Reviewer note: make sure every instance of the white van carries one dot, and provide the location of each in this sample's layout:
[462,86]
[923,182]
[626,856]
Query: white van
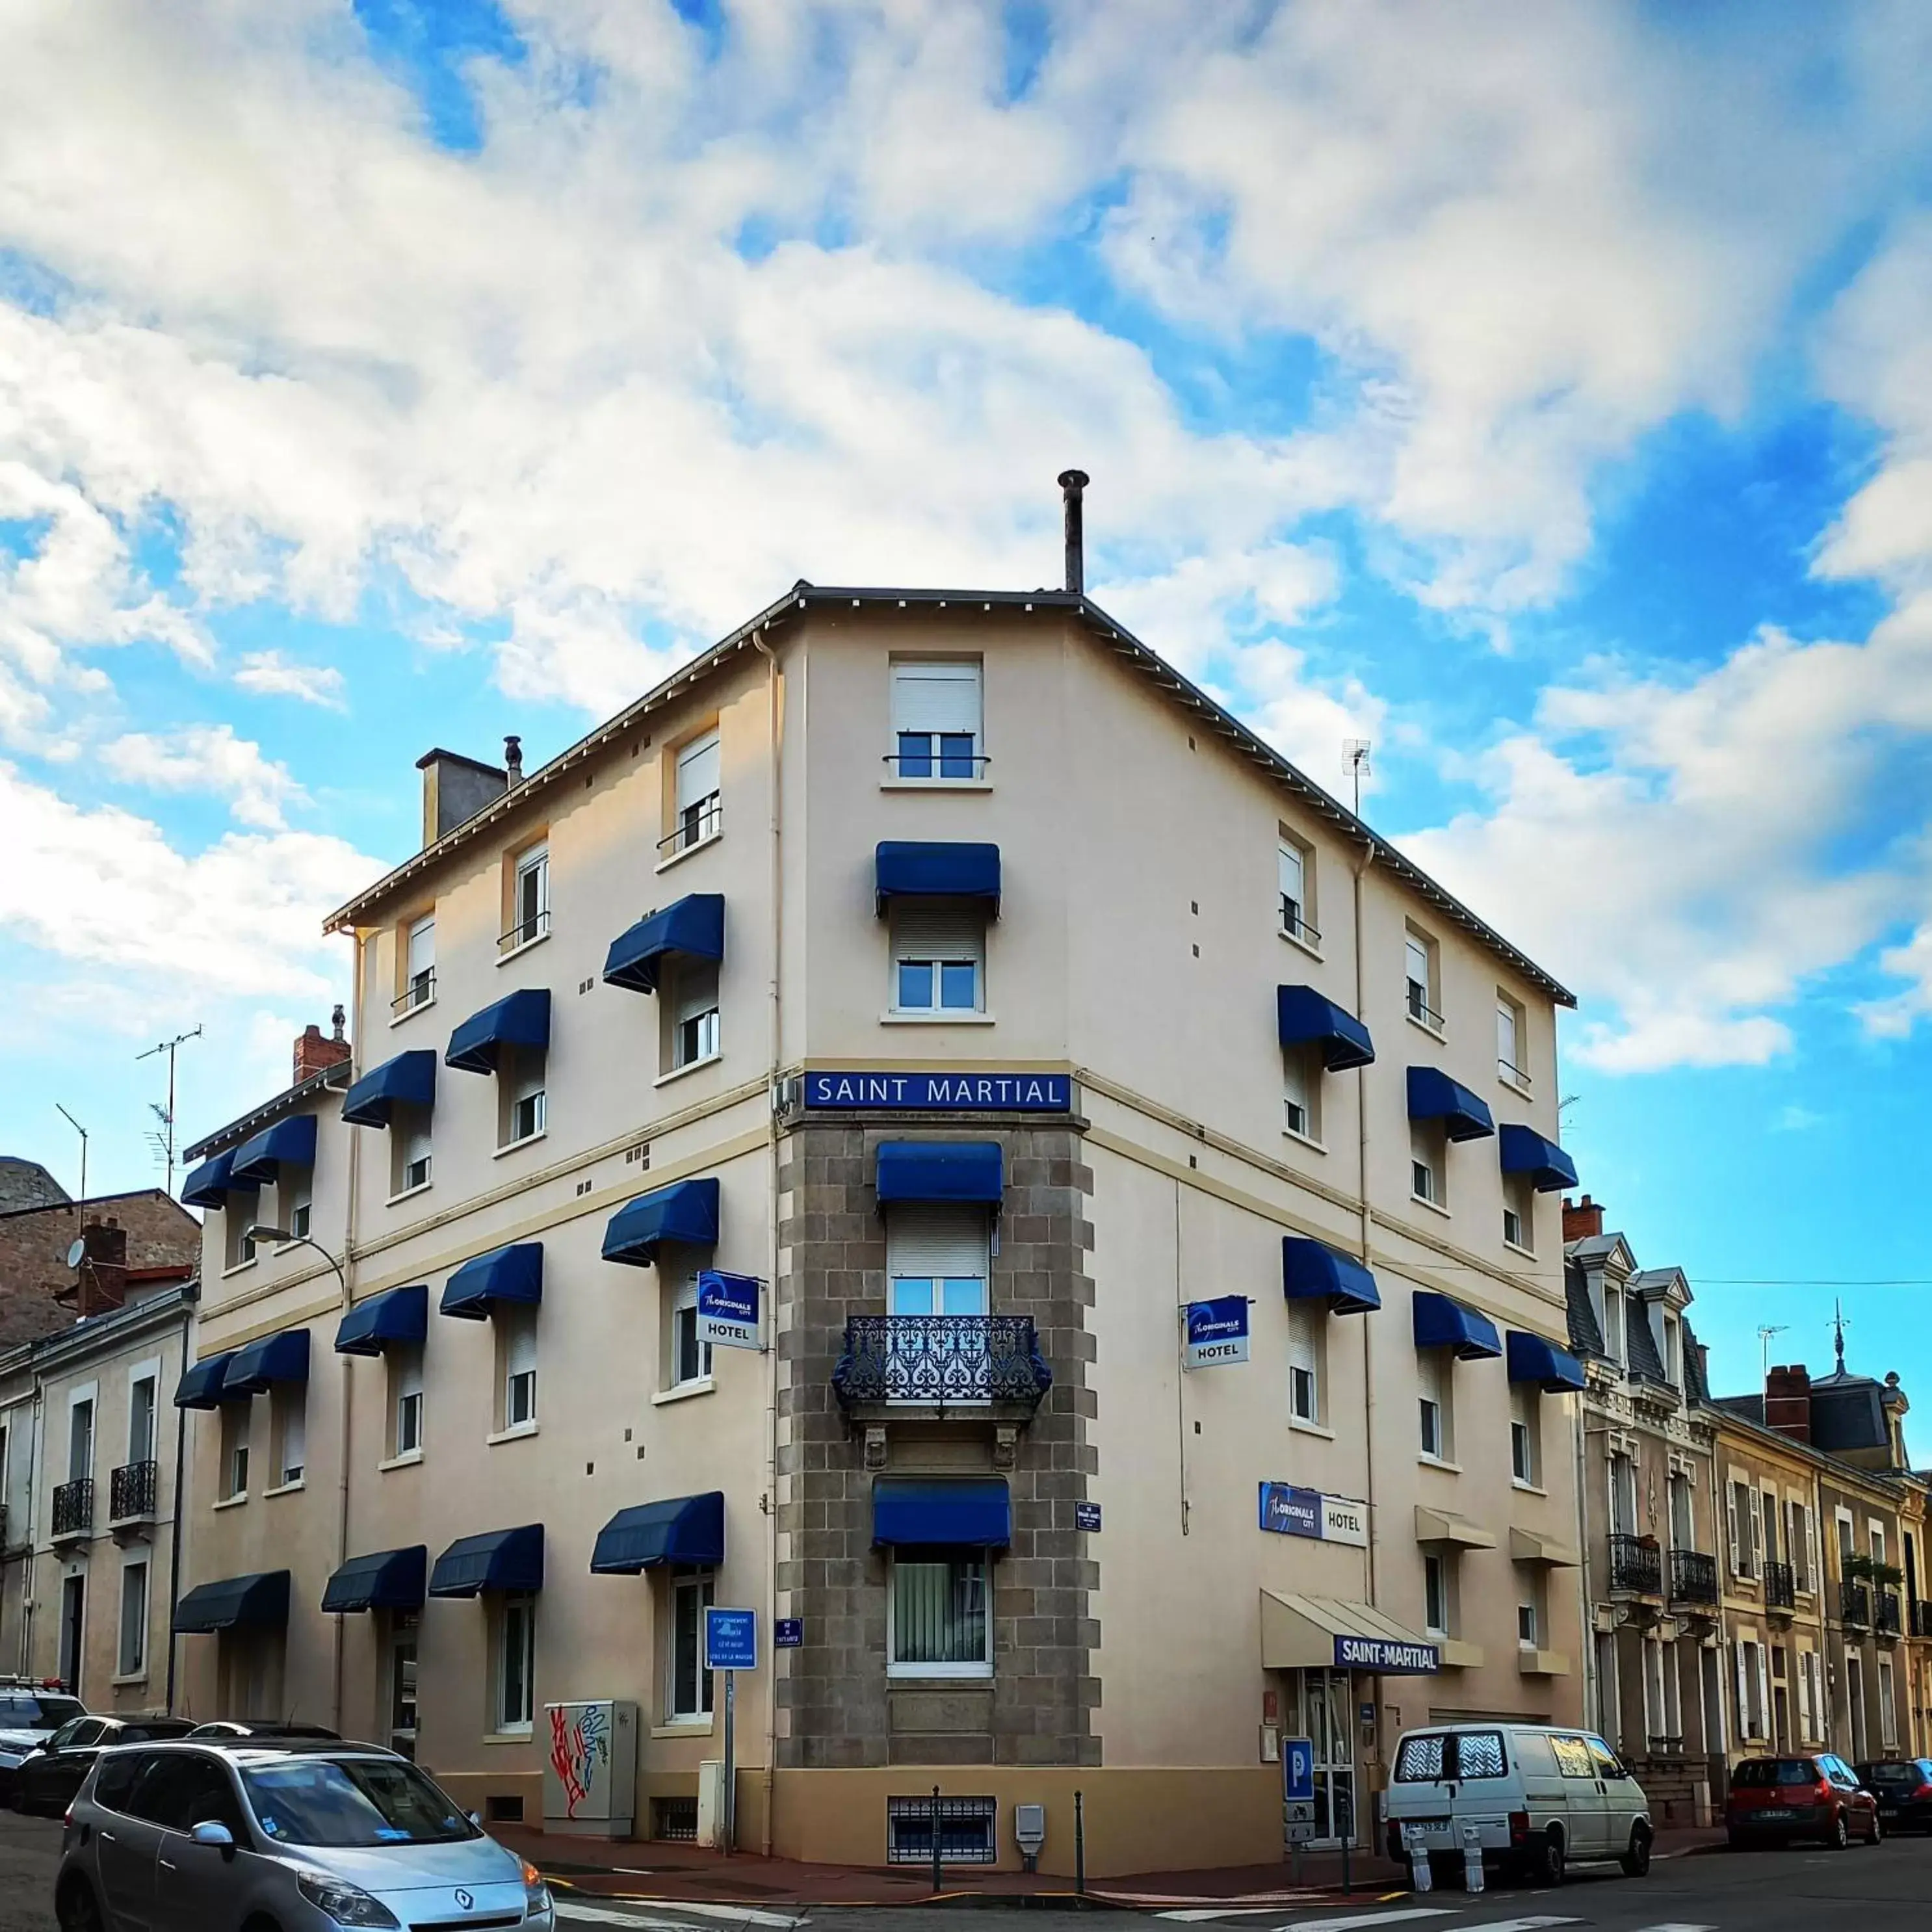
[1538,1797]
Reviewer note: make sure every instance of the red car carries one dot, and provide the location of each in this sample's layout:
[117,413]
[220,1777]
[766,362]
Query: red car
[1774,1800]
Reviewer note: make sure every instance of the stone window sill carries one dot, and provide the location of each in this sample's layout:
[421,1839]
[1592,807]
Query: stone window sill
[410,1013]
[517,952]
[515,1435]
[892,1017]
[287,1488]
[233,1502]
[684,1391]
[1306,1140]
[684,852]
[689,1067]
[410,1193]
[517,1146]
[1301,1428]
[684,1727]
[1434,1207]
[935,784]
[1295,939]
[906,1674]
[518,1734]
[408,1460]
[1440,1462]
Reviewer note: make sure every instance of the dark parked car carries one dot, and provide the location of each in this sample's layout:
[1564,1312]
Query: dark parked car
[1903,1786]
[1774,1800]
[30,1713]
[233,1728]
[47,1779]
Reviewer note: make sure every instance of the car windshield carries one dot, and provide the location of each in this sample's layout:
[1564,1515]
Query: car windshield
[1889,1774]
[318,1801]
[1760,1772]
[19,1712]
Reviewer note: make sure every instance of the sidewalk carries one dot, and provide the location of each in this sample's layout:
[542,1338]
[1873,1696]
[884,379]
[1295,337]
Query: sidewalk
[672,1873]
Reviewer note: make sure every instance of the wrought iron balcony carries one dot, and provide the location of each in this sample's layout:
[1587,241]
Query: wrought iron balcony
[1887,1612]
[73,1507]
[131,1493]
[941,1361]
[1693,1577]
[1921,1613]
[1854,1605]
[1636,1564]
[1780,1587]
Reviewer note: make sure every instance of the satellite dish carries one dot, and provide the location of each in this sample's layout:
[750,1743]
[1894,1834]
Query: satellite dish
[76,1254]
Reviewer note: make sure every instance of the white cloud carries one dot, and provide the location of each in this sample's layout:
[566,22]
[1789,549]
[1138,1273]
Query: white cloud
[206,757]
[269,674]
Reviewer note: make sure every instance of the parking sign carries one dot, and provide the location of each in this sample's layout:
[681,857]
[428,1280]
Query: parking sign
[1298,1770]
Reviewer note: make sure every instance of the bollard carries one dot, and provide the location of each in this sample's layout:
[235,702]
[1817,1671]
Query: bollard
[938,1882]
[1079,1848]
[1420,1877]
[1472,1857]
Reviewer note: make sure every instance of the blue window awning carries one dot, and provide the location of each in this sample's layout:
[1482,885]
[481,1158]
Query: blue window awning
[1441,1323]
[686,1212]
[906,871]
[385,1580]
[207,1185]
[201,1386]
[972,1512]
[289,1143]
[1313,1271]
[1523,1150]
[399,1316]
[499,1559]
[969,1171]
[1433,1095]
[1531,1359]
[514,1274]
[686,1529]
[407,1080]
[694,928]
[522,1020]
[259,1601]
[255,1370]
[1304,1018]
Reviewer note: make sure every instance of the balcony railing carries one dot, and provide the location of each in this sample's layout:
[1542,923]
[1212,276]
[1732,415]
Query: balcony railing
[1420,1011]
[130,1492]
[1514,1074]
[1854,1605]
[1295,926]
[942,1361]
[420,991]
[1921,1613]
[1888,1624]
[937,754]
[73,1507]
[697,822]
[1636,1563]
[1780,1587]
[1693,1577]
[527,930]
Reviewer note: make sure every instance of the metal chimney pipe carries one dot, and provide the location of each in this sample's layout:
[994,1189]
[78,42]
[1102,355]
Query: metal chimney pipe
[513,761]
[1071,482]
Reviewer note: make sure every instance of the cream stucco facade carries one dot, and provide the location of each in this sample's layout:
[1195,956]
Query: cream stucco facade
[1159,876]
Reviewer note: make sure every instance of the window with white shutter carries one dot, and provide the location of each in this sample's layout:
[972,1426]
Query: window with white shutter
[936,721]
[1736,1547]
[939,954]
[692,1010]
[696,812]
[1301,1093]
[938,1257]
[1804,1730]
[1306,1322]
[1294,868]
[418,967]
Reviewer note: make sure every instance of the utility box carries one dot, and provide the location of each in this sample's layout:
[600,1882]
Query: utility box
[711,1804]
[1030,1832]
[590,1768]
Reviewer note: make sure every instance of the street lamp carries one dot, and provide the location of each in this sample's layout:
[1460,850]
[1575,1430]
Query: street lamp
[261,1233]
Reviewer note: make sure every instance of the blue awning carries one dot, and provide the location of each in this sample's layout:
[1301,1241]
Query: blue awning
[407,1080]
[1433,1095]
[1523,1150]
[1531,1359]
[686,1529]
[289,1143]
[905,870]
[385,1580]
[971,1170]
[1303,1018]
[256,1602]
[686,1211]
[694,928]
[1441,1323]
[505,1274]
[256,1369]
[401,1315]
[522,1019]
[499,1559]
[201,1386]
[973,1512]
[207,1186]
[1313,1271]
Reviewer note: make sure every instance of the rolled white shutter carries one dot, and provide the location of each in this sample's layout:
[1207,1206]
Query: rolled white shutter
[697,992]
[931,929]
[422,947]
[698,770]
[936,698]
[929,1238]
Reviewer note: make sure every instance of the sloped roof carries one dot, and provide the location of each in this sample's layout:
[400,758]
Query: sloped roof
[25,1183]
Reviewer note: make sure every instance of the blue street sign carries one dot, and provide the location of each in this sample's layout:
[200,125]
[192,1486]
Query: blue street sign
[1298,1770]
[730,1639]
[1086,1516]
[1389,1656]
[790,1633]
[728,1310]
[1217,1332]
[963,1092]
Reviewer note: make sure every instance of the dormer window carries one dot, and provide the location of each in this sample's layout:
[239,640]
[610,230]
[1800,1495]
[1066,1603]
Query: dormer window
[1673,1351]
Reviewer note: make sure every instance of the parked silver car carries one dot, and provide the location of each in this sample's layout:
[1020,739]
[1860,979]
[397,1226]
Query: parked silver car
[303,1836]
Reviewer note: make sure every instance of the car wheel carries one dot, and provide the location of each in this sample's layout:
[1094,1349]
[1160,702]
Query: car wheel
[76,1909]
[1548,1863]
[1840,1836]
[1635,1861]
[1877,1830]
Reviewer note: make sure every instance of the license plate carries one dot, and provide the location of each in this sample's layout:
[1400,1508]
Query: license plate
[1775,1817]
[1887,1810]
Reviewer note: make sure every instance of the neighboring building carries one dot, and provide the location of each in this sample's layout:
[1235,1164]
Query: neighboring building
[88,1449]
[26,1183]
[1648,1520]
[947,961]
[36,1276]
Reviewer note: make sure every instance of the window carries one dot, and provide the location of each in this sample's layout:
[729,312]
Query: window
[691,1010]
[290,1431]
[1526,1433]
[1767,1518]
[404,1627]
[1673,1358]
[408,1149]
[80,1439]
[940,1626]
[1877,1536]
[1512,1048]
[141,1420]
[1421,991]
[1518,1212]
[516,1663]
[517,1349]
[1436,1595]
[1740,1527]
[1295,869]
[1797,1541]
[1887,1715]
[294,1198]
[1623,1494]
[688,1684]
[690,1358]
[1307,1334]
[419,965]
[696,813]
[1432,1374]
[529,899]
[1683,1512]
[1613,1324]
[131,1656]
[936,720]
[1526,1626]
[406,1399]
[239,1212]
[235,1420]
[1428,1146]
[938,1259]
[1301,1087]
[522,1072]
[939,953]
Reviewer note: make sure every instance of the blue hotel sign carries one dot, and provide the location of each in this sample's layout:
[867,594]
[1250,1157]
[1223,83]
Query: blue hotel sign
[963,1092]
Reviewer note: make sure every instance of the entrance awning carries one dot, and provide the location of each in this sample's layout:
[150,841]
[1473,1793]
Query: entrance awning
[256,1602]
[1531,1546]
[1445,1527]
[385,1580]
[1301,1633]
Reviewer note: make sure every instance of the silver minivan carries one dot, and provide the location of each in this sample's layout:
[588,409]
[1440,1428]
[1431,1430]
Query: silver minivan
[309,1836]
[1536,1796]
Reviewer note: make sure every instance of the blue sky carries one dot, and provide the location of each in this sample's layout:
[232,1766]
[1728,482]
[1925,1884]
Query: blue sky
[1542,394]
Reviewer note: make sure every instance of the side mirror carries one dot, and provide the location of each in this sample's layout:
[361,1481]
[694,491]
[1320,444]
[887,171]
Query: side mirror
[210,1831]
[476,1818]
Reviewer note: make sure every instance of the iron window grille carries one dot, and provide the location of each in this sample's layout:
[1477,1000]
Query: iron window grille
[1693,1577]
[73,1507]
[1636,1563]
[966,1828]
[131,1490]
[941,1360]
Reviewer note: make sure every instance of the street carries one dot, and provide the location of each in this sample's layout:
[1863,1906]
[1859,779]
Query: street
[1795,1890]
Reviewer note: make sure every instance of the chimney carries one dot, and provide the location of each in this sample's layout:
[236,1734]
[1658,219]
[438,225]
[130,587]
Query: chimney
[100,1279]
[313,1053]
[455,788]
[1787,1401]
[513,761]
[1582,1218]
[1071,482]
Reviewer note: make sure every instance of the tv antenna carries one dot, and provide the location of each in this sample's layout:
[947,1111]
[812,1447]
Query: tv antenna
[1764,1335]
[1355,763]
[82,1131]
[163,1142]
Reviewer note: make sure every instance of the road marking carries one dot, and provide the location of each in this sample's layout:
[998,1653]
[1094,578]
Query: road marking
[571,1907]
[1375,1919]
[1199,1914]
[1674,1925]
[1537,1922]
[604,1914]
